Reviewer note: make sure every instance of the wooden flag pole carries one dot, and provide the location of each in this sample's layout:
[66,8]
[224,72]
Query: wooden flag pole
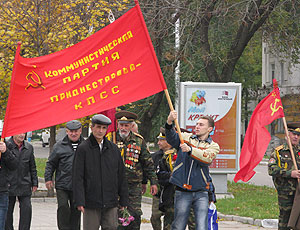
[290,144]
[176,121]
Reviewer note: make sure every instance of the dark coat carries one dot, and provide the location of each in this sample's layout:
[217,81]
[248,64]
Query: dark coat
[99,177]
[24,177]
[60,161]
[8,162]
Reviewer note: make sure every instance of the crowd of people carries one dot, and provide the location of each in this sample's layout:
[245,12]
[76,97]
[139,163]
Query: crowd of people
[101,178]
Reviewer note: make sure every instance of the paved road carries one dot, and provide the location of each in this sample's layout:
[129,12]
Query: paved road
[44,213]
[39,150]
[261,176]
[44,217]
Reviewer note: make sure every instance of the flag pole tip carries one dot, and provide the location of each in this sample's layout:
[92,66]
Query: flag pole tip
[275,84]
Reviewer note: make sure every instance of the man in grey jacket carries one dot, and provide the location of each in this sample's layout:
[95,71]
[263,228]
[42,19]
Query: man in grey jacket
[23,181]
[61,161]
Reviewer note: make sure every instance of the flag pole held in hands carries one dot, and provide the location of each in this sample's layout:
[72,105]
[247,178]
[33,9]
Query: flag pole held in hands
[176,121]
[288,137]
[290,144]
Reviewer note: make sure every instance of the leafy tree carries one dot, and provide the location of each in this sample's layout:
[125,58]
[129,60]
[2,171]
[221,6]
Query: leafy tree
[214,36]
[47,26]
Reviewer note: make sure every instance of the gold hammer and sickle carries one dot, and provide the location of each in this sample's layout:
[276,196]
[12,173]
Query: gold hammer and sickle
[273,108]
[36,79]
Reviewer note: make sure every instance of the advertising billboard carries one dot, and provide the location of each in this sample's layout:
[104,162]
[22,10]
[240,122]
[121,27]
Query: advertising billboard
[221,101]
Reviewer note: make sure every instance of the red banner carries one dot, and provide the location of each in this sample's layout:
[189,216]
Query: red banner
[257,137]
[115,66]
[111,115]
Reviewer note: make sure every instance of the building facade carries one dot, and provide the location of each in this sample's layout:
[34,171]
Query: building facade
[288,78]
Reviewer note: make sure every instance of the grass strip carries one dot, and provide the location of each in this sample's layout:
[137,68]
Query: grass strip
[40,166]
[258,202]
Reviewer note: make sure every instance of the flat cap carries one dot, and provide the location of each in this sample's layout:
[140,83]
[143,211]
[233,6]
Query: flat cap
[294,127]
[73,125]
[162,134]
[124,116]
[101,119]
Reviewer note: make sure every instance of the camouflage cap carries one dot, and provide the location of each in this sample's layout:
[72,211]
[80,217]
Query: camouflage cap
[124,116]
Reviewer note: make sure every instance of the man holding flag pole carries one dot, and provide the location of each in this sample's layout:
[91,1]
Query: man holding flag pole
[283,164]
[285,175]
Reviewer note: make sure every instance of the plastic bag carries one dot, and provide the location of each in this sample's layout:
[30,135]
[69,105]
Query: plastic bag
[212,217]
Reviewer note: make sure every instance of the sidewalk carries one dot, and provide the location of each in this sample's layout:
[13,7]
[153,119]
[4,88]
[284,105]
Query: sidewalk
[44,214]
[44,217]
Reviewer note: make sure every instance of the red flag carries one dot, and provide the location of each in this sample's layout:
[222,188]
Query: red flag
[111,115]
[257,137]
[115,66]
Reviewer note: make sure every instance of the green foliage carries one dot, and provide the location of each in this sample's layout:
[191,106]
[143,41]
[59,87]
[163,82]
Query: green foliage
[220,40]
[282,30]
[40,166]
[45,27]
[248,71]
[258,202]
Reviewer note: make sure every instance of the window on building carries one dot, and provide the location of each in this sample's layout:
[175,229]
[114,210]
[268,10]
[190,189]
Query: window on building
[280,128]
[272,72]
[282,72]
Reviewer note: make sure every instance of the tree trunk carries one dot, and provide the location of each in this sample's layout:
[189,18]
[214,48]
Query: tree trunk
[146,119]
[52,138]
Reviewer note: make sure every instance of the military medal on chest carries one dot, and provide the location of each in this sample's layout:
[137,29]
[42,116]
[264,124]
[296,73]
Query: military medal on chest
[120,144]
[132,155]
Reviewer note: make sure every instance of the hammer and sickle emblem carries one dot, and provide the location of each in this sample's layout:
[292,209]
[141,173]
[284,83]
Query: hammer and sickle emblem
[274,108]
[35,78]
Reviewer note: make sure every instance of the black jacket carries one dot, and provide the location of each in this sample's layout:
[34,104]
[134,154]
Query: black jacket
[99,177]
[8,162]
[60,161]
[24,177]
[163,173]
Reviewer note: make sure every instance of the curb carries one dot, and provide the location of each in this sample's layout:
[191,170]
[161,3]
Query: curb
[241,219]
[146,200]
[42,196]
[265,223]
[44,199]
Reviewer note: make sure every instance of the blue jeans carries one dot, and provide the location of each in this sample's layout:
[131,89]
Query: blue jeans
[183,203]
[3,208]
